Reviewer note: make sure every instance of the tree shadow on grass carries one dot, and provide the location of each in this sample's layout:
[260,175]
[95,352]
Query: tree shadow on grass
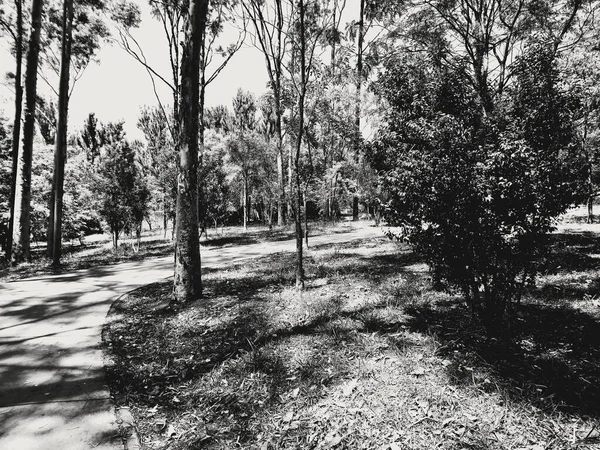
[571,252]
[553,360]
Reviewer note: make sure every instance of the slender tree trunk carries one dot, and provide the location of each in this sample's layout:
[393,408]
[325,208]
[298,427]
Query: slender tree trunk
[357,112]
[245,202]
[291,182]
[305,219]
[21,231]
[60,152]
[590,203]
[187,283]
[16,137]
[298,212]
[280,180]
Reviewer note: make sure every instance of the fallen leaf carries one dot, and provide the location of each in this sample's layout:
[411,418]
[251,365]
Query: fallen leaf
[349,387]
[288,417]
[295,392]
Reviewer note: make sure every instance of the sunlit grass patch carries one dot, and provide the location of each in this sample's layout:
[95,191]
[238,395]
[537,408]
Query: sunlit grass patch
[367,356]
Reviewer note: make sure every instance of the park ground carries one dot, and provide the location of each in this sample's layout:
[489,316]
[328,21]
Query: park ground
[97,250]
[367,356]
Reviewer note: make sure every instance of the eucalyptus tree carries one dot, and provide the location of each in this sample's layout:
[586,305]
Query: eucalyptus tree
[21,229]
[310,22]
[187,281]
[271,23]
[12,23]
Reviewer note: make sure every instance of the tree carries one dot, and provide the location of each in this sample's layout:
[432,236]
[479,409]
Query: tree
[123,193]
[90,138]
[271,25]
[248,152]
[476,193]
[159,159]
[79,41]
[5,184]
[21,238]
[60,153]
[18,35]
[309,26]
[215,189]
[187,282]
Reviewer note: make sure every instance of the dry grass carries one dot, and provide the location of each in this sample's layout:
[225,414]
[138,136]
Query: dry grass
[367,357]
[84,256]
[100,251]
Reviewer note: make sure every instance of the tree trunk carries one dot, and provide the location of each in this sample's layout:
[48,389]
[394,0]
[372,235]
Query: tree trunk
[590,183]
[245,202]
[60,152]
[16,137]
[270,214]
[298,212]
[187,283]
[116,242]
[357,111]
[21,231]
[305,220]
[280,180]
[291,182]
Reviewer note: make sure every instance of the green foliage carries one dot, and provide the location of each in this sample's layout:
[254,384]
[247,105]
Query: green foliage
[122,192]
[474,193]
[214,201]
[158,159]
[5,180]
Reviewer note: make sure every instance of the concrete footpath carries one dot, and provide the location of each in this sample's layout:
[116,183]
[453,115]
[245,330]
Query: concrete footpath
[52,389]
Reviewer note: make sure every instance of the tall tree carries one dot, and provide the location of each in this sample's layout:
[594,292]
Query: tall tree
[187,282]
[17,33]
[359,83]
[60,152]
[310,23]
[270,35]
[21,238]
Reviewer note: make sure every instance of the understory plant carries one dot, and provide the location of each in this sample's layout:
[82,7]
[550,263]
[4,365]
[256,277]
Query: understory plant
[477,190]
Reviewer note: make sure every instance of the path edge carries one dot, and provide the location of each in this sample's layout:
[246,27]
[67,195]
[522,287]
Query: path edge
[124,419]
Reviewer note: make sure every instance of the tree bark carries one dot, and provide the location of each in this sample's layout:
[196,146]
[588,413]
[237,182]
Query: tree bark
[21,231]
[187,284]
[16,137]
[245,202]
[305,218]
[60,152]
[357,111]
[298,212]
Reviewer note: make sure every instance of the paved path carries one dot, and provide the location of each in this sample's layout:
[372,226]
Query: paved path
[52,389]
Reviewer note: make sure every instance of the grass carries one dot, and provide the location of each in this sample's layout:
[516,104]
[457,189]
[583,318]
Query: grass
[100,251]
[367,357]
[75,256]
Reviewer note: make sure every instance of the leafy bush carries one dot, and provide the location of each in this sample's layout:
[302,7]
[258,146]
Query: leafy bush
[476,193]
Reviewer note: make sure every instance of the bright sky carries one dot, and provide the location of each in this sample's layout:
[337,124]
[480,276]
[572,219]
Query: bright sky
[117,86]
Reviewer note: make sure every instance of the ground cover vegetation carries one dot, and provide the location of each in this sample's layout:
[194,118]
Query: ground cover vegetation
[468,127]
[368,356]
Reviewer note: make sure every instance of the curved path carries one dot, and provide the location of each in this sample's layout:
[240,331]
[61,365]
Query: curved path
[52,389]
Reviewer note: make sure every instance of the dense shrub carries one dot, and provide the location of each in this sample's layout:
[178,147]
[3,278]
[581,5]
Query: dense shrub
[476,193]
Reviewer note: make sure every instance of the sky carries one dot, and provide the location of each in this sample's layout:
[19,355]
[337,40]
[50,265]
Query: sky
[116,87]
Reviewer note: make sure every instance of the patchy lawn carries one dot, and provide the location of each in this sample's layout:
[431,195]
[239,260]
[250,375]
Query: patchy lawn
[367,357]
[76,256]
[100,251]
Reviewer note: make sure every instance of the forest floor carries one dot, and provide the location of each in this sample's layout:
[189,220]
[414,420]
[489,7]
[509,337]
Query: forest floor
[98,250]
[367,356]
